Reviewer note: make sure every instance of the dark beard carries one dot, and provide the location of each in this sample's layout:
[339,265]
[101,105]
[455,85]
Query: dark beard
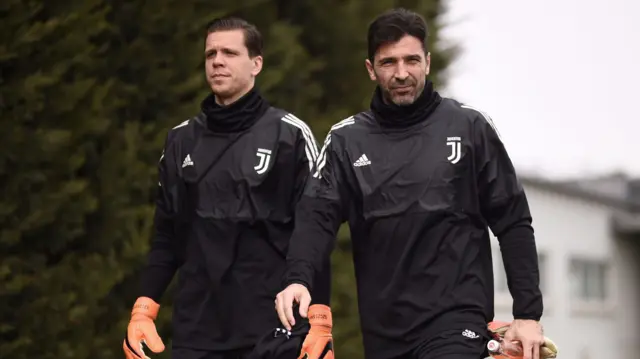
[388,99]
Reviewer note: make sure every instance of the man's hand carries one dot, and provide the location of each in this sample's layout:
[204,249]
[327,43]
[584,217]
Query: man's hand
[284,303]
[529,334]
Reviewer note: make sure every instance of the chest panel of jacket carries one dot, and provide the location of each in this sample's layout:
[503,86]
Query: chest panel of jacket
[251,180]
[425,169]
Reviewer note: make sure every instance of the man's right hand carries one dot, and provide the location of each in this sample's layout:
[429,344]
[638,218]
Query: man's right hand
[142,329]
[284,303]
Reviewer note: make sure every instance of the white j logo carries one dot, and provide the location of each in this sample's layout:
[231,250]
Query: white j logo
[265,158]
[456,149]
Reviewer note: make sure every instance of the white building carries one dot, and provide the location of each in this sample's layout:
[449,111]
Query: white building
[588,239]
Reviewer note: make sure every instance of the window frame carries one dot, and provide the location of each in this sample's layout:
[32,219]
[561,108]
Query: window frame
[601,304]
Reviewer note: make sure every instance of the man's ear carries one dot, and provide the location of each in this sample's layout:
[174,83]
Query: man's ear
[428,63]
[370,70]
[257,65]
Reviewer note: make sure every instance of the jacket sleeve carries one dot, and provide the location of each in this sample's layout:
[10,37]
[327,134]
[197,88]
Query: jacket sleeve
[306,160]
[505,208]
[306,155]
[319,214]
[163,258]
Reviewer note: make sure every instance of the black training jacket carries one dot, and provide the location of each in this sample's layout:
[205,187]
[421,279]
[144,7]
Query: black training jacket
[419,200]
[224,217]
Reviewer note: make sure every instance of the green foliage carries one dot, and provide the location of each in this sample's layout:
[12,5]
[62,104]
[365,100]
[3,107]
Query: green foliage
[88,91]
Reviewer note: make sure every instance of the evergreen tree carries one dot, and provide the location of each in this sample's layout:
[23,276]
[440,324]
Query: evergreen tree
[52,106]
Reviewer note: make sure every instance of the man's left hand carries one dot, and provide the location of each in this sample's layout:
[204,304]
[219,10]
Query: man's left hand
[529,334]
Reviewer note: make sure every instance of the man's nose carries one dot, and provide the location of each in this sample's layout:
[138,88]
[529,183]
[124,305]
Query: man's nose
[401,73]
[217,60]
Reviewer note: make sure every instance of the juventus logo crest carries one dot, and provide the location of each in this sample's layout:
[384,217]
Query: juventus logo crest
[456,149]
[265,158]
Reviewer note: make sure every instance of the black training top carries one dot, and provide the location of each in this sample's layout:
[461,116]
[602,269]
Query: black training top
[229,181]
[419,186]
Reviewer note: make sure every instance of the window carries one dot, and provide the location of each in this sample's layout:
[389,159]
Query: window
[588,280]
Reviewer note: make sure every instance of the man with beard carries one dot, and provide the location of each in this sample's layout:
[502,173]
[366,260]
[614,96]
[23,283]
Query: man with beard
[420,179]
[229,180]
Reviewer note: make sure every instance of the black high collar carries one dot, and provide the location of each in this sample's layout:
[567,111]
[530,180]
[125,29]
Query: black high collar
[399,116]
[237,116]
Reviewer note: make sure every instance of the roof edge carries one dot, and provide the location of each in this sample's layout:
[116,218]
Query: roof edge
[579,193]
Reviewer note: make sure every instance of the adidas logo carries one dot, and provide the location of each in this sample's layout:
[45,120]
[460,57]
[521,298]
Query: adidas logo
[362,161]
[187,161]
[469,334]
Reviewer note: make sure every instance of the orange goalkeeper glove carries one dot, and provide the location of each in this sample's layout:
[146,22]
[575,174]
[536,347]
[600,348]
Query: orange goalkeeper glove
[497,329]
[142,329]
[319,342]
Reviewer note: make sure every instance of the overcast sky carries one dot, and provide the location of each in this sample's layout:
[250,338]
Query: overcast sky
[560,78]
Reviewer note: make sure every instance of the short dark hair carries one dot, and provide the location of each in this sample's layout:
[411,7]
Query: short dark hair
[392,25]
[252,36]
